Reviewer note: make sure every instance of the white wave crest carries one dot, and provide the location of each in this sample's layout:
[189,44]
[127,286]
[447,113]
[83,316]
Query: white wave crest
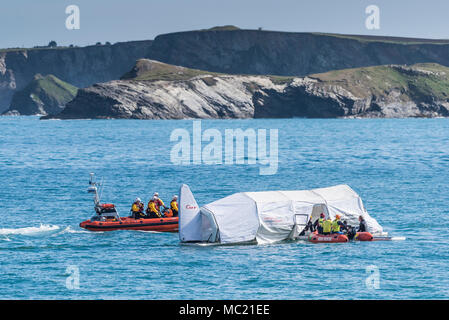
[43,229]
[70,230]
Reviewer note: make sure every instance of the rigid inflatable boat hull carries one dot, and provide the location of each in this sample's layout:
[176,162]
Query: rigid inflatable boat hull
[153,224]
[331,238]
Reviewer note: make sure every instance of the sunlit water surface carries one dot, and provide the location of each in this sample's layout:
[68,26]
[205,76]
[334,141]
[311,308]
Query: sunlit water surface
[399,167]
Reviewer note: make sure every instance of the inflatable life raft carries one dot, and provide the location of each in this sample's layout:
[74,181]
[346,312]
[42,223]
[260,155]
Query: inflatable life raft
[129,223]
[337,237]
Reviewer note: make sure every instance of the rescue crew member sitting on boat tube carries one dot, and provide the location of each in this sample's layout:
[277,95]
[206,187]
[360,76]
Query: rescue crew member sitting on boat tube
[337,225]
[158,202]
[327,226]
[137,209]
[363,227]
[174,206]
[153,208]
[318,225]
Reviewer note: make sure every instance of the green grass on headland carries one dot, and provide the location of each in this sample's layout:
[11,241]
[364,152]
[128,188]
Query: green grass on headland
[424,79]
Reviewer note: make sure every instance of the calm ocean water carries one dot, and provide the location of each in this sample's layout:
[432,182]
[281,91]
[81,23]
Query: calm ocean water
[399,167]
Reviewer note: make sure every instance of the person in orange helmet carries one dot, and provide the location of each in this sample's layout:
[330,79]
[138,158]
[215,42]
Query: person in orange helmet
[337,225]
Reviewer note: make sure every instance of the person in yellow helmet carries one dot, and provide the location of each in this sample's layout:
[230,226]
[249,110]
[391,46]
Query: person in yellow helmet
[153,209]
[174,205]
[137,209]
[337,225]
[327,226]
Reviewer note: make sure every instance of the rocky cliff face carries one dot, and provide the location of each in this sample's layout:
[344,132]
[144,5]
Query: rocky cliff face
[201,97]
[288,53]
[384,91]
[227,50]
[81,67]
[43,95]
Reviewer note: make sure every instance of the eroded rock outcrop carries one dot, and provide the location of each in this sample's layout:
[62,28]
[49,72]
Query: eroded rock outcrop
[383,91]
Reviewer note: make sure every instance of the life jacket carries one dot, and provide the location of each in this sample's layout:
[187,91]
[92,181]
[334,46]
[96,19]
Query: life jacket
[136,207]
[152,207]
[327,226]
[174,205]
[320,222]
[336,225]
[158,203]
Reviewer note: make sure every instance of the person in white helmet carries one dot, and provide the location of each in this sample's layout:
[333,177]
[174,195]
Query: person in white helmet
[137,209]
[153,208]
[158,202]
[174,205]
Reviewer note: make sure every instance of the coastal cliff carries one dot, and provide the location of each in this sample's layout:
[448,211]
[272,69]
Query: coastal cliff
[79,66]
[236,51]
[226,50]
[154,90]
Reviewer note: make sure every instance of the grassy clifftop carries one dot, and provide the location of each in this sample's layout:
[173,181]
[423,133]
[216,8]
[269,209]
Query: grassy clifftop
[151,70]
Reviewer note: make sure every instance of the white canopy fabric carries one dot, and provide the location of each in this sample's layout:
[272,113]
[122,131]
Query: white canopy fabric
[270,216]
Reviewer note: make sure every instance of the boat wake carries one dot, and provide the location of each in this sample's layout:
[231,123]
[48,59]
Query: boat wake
[70,230]
[42,230]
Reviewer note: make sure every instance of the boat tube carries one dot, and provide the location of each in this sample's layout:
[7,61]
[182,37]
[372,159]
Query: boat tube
[363,236]
[129,223]
[330,238]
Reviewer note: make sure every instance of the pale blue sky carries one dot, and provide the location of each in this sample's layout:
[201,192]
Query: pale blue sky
[25,23]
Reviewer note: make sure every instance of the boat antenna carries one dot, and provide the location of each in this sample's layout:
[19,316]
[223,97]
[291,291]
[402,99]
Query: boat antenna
[93,188]
[101,189]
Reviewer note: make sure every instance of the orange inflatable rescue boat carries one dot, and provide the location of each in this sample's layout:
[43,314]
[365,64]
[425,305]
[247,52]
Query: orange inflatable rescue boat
[338,237]
[106,217]
[129,223]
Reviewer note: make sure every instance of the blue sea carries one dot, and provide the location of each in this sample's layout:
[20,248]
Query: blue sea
[400,168]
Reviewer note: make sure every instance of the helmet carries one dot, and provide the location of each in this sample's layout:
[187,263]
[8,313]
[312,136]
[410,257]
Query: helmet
[338,216]
[322,215]
[137,200]
[175,197]
[156,194]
